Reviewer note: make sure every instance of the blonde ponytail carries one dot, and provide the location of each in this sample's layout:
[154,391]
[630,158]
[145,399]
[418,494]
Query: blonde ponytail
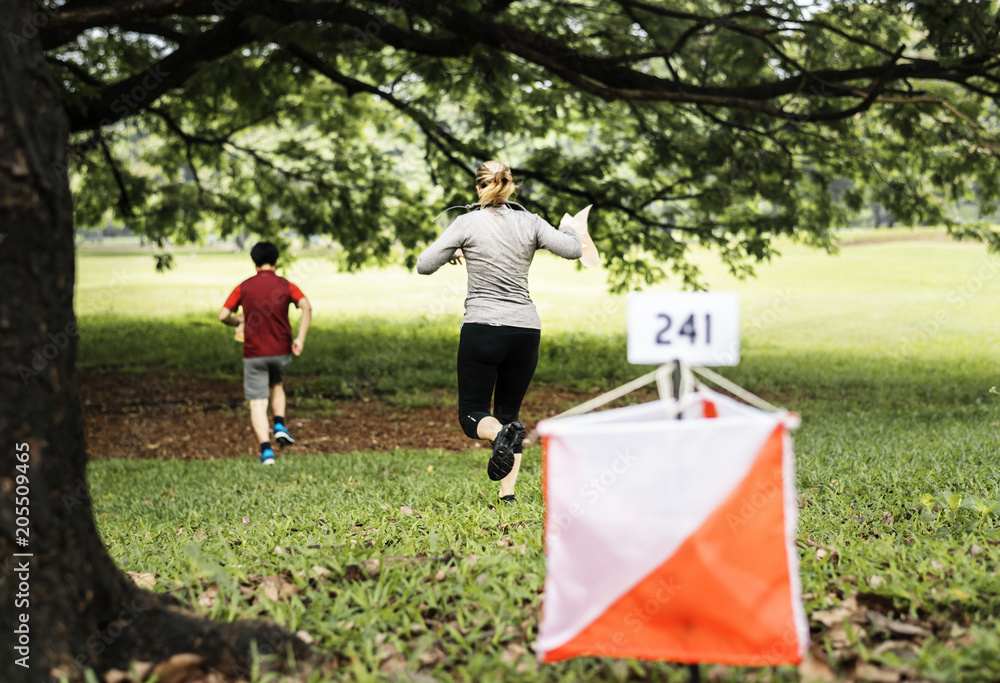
[496,182]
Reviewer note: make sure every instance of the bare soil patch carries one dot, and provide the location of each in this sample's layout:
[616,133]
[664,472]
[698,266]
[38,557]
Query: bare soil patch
[161,414]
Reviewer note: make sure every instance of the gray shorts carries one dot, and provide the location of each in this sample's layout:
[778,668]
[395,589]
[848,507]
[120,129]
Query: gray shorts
[260,374]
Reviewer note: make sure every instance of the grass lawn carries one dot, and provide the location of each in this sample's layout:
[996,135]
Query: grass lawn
[396,562]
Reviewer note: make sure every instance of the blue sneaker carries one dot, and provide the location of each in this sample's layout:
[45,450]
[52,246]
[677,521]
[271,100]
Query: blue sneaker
[267,457]
[282,436]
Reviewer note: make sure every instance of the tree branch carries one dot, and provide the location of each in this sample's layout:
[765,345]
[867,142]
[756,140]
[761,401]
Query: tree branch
[604,76]
[74,19]
[152,28]
[124,202]
[130,95]
[75,69]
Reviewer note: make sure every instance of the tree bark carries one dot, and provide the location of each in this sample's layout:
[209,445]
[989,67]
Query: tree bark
[64,604]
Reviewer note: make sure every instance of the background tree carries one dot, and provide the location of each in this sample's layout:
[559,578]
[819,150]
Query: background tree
[715,123]
[81,610]
[712,123]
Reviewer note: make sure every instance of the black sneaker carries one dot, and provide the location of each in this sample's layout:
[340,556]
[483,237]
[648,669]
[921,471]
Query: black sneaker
[282,436]
[508,500]
[502,459]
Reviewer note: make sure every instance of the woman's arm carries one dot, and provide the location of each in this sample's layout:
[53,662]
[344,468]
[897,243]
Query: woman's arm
[562,242]
[442,251]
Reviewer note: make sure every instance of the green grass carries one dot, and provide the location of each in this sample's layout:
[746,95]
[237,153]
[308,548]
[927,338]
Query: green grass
[923,298]
[888,352]
[870,475]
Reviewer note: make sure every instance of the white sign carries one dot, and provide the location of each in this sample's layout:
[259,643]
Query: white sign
[698,328]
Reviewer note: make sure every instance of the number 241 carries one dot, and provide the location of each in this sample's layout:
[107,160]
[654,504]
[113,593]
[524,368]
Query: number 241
[687,329]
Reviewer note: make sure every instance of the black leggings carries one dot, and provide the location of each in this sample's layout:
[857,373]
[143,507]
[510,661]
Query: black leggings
[497,361]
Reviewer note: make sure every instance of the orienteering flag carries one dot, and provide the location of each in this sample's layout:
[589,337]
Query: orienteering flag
[672,539]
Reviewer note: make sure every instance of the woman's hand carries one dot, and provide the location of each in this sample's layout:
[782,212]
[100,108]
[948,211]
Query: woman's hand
[457,260]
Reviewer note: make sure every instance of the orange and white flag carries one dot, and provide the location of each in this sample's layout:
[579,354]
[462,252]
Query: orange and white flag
[672,539]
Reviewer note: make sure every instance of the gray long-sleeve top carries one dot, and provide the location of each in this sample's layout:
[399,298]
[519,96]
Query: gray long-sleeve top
[499,244]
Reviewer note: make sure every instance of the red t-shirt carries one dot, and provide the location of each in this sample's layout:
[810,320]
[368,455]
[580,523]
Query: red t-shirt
[265,298]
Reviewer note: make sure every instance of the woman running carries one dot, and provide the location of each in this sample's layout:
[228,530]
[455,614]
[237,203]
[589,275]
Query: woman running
[498,345]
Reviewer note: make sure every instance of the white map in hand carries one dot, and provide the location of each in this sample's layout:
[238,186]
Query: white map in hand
[578,223]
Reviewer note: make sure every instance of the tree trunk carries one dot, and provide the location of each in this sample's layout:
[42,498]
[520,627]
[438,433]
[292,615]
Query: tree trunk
[241,239]
[64,604]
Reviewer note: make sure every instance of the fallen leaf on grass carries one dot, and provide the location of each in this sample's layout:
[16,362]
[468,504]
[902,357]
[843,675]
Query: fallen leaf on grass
[814,669]
[305,637]
[368,569]
[138,671]
[964,641]
[408,561]
[903,649]
[866,671]
[276,587]
[245,521]
[880,621]
[320,571]
[848,609]
[141,670]
[179,668]
[432,656]
[406,510]
[373,567]
[473,559]
[839,638]
[207,599]
[875,581]
[389,657]
[512,653]
[143,579]
[828,550]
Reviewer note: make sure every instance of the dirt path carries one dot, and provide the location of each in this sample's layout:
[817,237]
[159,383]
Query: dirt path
[161,414]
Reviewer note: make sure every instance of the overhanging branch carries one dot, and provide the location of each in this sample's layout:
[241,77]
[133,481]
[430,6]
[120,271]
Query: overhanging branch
[455,32]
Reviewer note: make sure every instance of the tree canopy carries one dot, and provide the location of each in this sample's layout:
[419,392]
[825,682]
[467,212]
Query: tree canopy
[714,123]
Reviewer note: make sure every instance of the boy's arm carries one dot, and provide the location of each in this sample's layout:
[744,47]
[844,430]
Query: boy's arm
[227,315]
[300,340]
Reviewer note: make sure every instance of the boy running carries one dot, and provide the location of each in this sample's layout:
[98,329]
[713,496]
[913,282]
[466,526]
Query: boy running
[267,342]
